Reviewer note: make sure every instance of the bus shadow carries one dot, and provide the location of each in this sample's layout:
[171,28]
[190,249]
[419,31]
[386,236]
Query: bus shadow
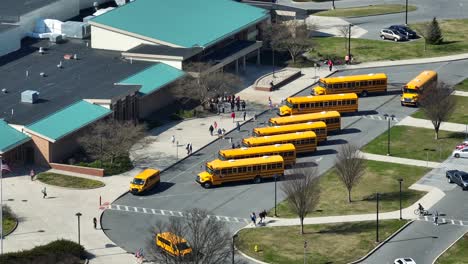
[306,164]
[348,131]
[161,187]
[333,142]
[317,153]
[393,92]
[365,112]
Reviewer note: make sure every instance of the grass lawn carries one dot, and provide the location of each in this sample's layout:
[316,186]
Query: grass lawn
[410,142]
[457,254]
[68,181]
[8,221]
[455,33]
[379,177]
[460,115]
[462,86]
[331,243]
[365,11]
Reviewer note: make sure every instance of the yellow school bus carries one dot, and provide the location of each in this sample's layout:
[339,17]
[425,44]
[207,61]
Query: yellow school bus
[413,89]
[331,118]
[361,84]
[342,103]
[220,171]
[320,129]
[303,141]
[287,151]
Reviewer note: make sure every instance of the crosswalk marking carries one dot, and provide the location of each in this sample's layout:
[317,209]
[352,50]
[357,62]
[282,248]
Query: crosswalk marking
[444,220]
[377,117]
[151,211]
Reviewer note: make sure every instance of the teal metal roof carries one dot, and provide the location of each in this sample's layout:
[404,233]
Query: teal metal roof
[154,77]
[10,137]
[68,120]
[185,23]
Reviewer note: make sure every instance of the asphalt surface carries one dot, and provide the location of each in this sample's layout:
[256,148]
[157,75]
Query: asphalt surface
[130,228]
[426,10]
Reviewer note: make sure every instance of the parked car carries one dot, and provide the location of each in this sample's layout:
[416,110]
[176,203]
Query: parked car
[404,261]
[462,145]
[458,177]
[460,153]
[404,30]
[395,35]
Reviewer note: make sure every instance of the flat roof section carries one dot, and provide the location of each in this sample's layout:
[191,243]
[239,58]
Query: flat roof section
[92,76]
[68,120]
[183,23]
[162,50]
[21,7]
[10,137]
[154,77]
[6,27]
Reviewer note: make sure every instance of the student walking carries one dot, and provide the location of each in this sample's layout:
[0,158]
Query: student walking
[219,132]
[173,139]
[32,174]
[190,148]
[330,64]
[215,124]
[95,222]
[211,130]
[233,146]
[436,218]
[253,217]
[243,105]
[238,126]
[238,105]
[233,116]
[44,193]
[244,114]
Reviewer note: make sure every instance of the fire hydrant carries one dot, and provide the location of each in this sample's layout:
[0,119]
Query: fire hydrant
[256,248]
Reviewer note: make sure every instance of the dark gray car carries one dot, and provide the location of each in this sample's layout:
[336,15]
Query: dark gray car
[458,177]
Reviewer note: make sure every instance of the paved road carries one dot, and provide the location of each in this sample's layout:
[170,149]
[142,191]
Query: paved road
[130,229]
[427,9]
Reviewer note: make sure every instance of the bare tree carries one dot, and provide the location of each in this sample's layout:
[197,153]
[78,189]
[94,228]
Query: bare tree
[302,191]
[344,31]
[204,85]
[437,104]
[290,36]
[350,166]
[109,139]
[207,237]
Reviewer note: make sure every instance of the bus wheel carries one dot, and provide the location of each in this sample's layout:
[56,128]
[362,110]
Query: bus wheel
[207,185]
[364,93]
[257,179]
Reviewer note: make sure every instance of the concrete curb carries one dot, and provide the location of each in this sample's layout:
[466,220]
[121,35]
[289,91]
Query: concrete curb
[383,243]
[13,229]
[445,250]
[245,255]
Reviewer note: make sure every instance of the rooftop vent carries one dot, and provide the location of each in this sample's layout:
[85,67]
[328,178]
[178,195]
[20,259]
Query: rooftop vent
[29,96]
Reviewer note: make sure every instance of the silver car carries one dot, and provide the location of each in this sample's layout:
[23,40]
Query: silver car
[392,34]
[460,153]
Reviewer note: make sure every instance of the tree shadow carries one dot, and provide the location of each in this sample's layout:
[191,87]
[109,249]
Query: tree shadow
[161,187]
[333,142]
[391,196]
[348,131]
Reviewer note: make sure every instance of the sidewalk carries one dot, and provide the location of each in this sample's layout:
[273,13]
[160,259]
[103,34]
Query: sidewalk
[424,123]
[413,162]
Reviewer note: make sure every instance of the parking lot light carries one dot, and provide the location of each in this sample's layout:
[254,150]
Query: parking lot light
[400,181]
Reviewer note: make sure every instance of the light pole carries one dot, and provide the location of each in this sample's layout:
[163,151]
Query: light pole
[233,247]
[177,149]
[349,42]
[377,220]
[389,118]
[276,179]
[400,181]
[78,215]
[406,13]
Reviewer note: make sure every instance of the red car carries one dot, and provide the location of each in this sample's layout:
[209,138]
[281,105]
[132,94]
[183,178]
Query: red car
[462,145]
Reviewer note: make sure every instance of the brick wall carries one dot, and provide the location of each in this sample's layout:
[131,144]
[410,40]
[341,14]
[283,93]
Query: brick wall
[41,151]
[78,169]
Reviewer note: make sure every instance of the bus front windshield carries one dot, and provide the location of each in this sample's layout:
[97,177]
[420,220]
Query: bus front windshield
[322,84]
[209,170]
[138,181]
[289,104]
[410,91]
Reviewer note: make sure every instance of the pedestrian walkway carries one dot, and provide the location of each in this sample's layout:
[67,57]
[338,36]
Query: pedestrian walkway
[413,162]
[460,93]
[424,123]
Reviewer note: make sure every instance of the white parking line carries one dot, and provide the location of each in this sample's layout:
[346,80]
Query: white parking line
[126,208]
[136,209]
[162,212]
[118,207]
[152,210]
[144,210]
[453,222]
[461,222]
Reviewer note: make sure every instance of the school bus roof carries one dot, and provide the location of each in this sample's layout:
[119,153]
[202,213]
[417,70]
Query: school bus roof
[257,150]
[217,163]
[280,137]
[353,78]
[291,128]
[146,173]
[172,237]
[422,78]
[312,116]
[319,98]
